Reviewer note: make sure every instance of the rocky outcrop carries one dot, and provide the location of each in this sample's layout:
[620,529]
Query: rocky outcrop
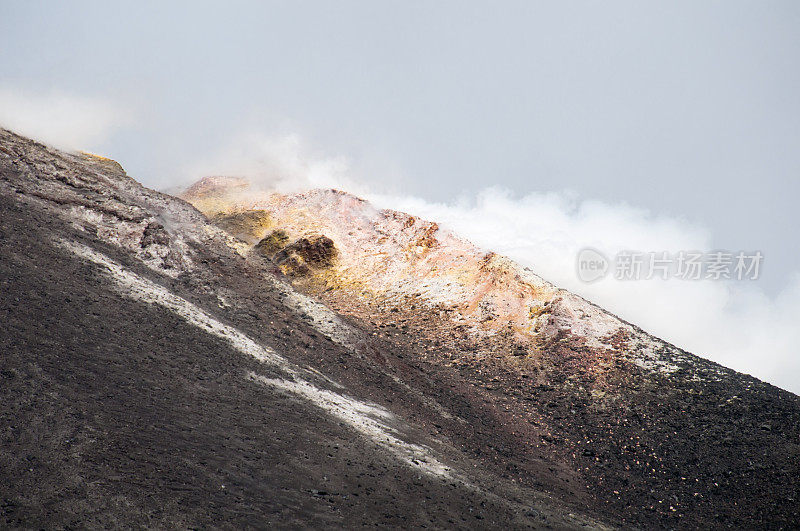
[306,255]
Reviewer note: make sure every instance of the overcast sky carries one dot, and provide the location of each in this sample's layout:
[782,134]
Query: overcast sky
[688,110]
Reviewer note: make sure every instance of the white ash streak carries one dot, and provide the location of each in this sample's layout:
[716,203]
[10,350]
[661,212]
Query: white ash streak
[366,419]
[370,420]
[142,289]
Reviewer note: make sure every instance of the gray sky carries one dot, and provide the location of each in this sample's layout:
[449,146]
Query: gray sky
[689,109]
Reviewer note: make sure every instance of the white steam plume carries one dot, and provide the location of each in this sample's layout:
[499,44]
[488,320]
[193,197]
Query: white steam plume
[281,163]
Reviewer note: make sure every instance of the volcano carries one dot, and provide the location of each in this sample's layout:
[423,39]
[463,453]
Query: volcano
[238,357]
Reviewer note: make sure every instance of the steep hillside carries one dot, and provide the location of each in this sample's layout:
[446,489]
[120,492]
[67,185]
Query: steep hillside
[654,434]
[152,376]
[307,360]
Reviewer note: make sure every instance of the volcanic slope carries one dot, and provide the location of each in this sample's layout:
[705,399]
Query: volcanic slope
[156,372]
[568,398]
